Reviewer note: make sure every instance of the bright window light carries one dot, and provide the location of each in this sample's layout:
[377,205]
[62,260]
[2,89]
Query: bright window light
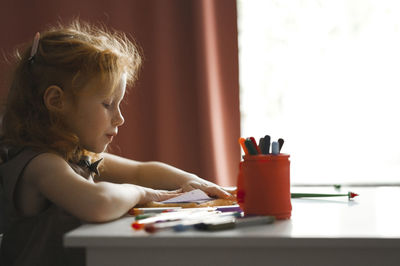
[325,76]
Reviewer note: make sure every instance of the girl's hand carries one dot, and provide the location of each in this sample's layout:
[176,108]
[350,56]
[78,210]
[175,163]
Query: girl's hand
[149,194]
[211,189]
[231,190]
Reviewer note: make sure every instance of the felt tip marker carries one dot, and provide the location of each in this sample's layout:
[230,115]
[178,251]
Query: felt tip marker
[243,145]
[267,143]
[275,148]
[137,211]
[188,222]
[156,227]
[250,147]
[233,208]
[280,141]
[186,225]
[162,217]
[255,145]
[145,215]
[261,145]
[350,195]
[224,224]
[217,224]
[254,220]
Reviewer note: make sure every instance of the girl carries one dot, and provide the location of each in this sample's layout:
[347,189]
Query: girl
[63,108]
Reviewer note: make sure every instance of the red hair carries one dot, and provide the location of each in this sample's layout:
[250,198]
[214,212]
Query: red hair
[68,56]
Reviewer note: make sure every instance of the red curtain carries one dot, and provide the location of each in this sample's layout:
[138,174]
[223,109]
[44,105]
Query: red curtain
[184,109]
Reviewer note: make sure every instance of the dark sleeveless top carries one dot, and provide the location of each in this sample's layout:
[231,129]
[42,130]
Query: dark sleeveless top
[33,240]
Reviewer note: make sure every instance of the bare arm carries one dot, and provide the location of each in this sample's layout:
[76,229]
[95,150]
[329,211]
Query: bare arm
[155,175]
[51,176]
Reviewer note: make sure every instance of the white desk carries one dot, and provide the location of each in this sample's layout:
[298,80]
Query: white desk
[331,231]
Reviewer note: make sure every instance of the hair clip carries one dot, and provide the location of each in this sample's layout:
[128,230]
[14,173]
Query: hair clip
[35,46]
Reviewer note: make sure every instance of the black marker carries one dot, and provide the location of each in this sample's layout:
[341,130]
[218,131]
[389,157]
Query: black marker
[250,147]
[261,145]
[280,141]
[267,143]
[235,223]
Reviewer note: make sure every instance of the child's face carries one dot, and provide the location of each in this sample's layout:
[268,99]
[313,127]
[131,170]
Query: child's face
[95,117]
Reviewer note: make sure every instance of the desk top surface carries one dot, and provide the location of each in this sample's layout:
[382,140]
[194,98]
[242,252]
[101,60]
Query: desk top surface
[372,219]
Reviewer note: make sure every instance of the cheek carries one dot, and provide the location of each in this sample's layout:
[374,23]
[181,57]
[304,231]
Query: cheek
[97,119]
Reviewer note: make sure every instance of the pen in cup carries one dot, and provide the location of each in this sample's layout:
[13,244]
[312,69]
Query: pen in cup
[250,147]
[255,145]
[275,148]
[280,141]
[243,145]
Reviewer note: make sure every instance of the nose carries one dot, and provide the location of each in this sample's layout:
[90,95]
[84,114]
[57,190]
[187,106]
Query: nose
[118,119]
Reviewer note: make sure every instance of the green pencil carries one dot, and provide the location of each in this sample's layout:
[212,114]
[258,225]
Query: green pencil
[350,195]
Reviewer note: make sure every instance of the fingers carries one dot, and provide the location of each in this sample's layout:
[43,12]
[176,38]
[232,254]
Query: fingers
[211,189]
[189,186]
[160,195]
[218,192]
[231,190]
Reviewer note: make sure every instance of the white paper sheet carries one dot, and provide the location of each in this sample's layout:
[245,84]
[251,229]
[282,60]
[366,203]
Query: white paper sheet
[196,195]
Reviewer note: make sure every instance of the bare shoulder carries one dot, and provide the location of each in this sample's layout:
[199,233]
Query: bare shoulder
[45,162]
[29,198]
[48,169]
[51,177]
[45,165]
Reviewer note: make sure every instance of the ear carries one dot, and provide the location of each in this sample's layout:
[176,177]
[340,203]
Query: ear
[54,98]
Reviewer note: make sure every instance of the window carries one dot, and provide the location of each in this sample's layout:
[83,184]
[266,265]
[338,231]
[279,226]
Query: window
[325,76]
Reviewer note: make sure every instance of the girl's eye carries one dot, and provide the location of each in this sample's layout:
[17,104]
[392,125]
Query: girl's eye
[106,105]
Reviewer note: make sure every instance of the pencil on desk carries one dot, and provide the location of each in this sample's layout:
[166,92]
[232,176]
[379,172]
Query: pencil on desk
[183,222]
[137,211]
[350,195]
[230,223]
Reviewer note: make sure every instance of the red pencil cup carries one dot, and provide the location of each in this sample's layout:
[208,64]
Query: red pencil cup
[263,186]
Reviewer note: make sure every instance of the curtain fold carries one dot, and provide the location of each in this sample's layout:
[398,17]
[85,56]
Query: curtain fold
[184,109]
[220,101]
